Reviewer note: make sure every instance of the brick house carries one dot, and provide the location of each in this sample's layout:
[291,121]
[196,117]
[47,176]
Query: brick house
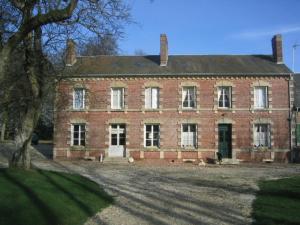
[174,107]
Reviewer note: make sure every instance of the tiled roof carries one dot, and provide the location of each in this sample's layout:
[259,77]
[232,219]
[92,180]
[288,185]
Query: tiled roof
[177,65]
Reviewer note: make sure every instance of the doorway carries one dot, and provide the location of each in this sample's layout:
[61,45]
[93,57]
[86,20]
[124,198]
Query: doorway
[225,140]
[117,146]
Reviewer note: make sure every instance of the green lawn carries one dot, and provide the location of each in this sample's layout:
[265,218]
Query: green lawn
[42,197]
[278,202]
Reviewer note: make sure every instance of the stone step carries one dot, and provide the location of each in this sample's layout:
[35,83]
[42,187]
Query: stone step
[230,161]
[115,160]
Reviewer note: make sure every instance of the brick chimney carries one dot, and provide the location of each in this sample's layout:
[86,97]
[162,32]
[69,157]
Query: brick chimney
[70,53]
[277,48]
[163,50]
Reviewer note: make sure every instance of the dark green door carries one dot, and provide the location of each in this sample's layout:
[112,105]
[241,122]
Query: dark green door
[225,140]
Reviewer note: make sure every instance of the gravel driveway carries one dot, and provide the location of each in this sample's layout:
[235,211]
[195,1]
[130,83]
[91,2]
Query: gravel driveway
[175,194]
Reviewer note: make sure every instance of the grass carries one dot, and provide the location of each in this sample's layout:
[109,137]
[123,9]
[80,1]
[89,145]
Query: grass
[278,202]
[48,198]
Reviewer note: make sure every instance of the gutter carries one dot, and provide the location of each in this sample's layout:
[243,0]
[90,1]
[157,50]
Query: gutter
[95,75]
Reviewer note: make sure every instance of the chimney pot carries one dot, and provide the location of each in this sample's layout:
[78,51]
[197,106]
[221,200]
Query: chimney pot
[70,53]
[163,50]
[277,48]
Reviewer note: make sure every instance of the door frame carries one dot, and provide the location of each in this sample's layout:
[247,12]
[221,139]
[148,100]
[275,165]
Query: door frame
[229,127]
[114,149]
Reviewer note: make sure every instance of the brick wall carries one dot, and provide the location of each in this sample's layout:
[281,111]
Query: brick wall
[170,116]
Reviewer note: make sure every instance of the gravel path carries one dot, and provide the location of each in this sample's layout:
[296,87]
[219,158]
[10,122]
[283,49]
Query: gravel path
[175,194]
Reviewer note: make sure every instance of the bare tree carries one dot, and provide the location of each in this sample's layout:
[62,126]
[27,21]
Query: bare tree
[32,30]
[106,45]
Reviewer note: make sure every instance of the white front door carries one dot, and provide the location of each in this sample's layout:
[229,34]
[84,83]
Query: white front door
[117,140]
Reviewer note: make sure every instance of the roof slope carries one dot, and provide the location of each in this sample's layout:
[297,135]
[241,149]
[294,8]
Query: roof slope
[177,64]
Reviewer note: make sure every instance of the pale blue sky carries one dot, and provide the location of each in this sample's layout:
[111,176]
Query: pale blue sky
[214,27]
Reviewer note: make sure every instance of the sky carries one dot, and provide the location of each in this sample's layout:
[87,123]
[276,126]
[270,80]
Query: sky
[214,27]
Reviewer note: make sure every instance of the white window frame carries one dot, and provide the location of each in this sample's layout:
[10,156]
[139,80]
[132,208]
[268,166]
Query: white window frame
[152,98]
[260,134]
[120,105]
[221,93]
[190,133]
[266,102]
[79,134]
[83,98]
[152,136]
[188,89]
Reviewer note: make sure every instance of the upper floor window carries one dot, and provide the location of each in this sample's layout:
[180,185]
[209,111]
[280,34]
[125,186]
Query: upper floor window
[189,135]
[262,135]
[151,98]
[152,135]
[189,97]
[224,97]
[117,98]
[260,97]
[79,98]
[78,134]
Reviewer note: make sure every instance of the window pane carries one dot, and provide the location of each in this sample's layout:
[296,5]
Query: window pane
[260,97]
[148,142]
[184,127]
[75,135]
[82,127]
[75,142]
[82,142]
[154,98]
[114,139]
[148,127]
[148,98]
[78,98]
[155,143]
[76,128]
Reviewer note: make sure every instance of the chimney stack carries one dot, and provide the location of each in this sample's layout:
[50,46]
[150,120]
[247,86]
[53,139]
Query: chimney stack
[163,50]
[70,53]
[277,48]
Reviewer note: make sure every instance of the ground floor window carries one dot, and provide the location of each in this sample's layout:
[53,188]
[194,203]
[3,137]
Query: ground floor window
[78,134]
[298,134]
[152,133]
[262,135]
[189,135]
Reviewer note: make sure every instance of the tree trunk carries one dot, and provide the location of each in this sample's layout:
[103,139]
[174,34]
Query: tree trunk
[21,157]
[3,128]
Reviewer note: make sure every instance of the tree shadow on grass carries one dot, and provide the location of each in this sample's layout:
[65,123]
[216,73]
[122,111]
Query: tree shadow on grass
[48,215]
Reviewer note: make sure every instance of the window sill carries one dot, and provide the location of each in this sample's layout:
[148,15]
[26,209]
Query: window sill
[261,109]
[188,109]
[189,148]
[77,148]
[224,109]
[151,148]
[152,110]
[78,110]
[262,149]
[117,110]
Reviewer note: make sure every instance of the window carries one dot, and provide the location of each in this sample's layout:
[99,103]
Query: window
[298,134]
[152,135]
[151,98]
[188,97]
[117,98]
[189,135]
[261,97]
[262,135]
[78,98]
[224,97]
[78,134]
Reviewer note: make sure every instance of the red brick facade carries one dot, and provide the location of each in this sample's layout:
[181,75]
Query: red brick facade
[97,116]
